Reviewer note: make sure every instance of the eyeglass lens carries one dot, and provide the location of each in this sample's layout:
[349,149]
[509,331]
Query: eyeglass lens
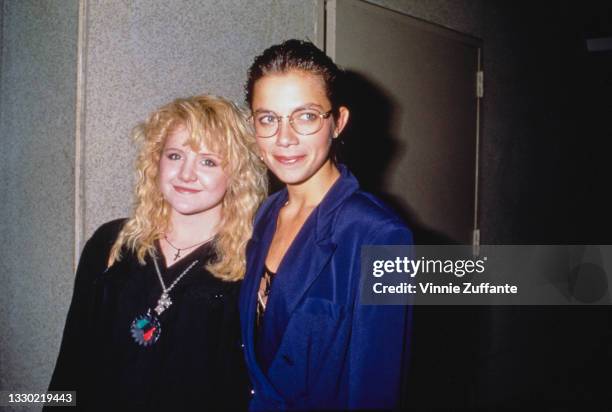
[304,122]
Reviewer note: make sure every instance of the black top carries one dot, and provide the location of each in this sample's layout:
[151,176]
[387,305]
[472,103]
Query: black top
[197,360]
[268,277]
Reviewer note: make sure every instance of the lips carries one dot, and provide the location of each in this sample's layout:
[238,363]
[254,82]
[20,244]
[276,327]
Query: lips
[186,190]
[288,160]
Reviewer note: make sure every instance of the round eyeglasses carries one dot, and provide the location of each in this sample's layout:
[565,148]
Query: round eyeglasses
[303,121]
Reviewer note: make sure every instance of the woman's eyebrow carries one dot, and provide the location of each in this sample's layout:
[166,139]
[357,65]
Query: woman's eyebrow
[301,107]
[309,106]
[263,111]
[209,154]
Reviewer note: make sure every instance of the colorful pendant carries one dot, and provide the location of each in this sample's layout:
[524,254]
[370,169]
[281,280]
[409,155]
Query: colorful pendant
[146,329]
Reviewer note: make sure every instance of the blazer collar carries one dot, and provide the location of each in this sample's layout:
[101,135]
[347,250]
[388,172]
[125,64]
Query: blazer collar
[304,261]
[344,187]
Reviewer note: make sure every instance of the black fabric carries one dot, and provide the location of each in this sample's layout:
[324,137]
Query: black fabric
[261,310]
[197,361]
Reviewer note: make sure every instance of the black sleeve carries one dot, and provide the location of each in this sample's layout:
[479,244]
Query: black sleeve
[234,382]
[73,369]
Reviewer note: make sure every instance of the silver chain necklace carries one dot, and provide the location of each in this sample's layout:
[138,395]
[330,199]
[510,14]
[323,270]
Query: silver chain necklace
[164,300]
[146,329]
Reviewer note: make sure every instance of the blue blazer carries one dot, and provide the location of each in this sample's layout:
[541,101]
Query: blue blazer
[318,347]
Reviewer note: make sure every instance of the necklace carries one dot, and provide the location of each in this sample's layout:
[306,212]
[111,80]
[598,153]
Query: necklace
[179,249]
[146,328]
[262,298]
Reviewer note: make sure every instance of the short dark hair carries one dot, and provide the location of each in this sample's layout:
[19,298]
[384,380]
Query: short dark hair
[296,55]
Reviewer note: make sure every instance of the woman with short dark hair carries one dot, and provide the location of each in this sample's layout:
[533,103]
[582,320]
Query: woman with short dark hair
[309,341]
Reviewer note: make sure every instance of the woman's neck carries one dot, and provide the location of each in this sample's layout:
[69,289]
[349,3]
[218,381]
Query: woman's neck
[186,230]
[310,193]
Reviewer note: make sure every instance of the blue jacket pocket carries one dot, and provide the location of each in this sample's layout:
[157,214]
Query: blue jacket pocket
[315,338]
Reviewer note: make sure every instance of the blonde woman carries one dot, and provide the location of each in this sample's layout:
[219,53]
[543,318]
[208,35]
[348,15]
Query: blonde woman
[153,321]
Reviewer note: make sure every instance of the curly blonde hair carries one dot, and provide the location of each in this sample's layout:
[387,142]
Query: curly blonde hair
[224,129]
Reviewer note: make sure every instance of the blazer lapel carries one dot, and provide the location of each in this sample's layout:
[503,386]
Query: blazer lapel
[306,258]
[300,268]
[256,256]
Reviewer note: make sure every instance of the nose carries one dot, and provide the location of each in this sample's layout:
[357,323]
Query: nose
[188,172]
[285,135]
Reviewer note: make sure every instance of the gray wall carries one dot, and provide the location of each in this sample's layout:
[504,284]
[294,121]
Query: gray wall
[137,56]
[37,133]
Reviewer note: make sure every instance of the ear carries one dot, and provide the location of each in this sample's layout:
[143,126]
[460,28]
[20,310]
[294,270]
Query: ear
[341,121]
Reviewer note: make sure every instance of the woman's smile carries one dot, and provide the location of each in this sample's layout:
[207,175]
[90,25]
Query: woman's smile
[289,160]
[186,190]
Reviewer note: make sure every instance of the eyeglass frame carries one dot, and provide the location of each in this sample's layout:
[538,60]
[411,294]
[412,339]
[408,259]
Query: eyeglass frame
[322,115]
